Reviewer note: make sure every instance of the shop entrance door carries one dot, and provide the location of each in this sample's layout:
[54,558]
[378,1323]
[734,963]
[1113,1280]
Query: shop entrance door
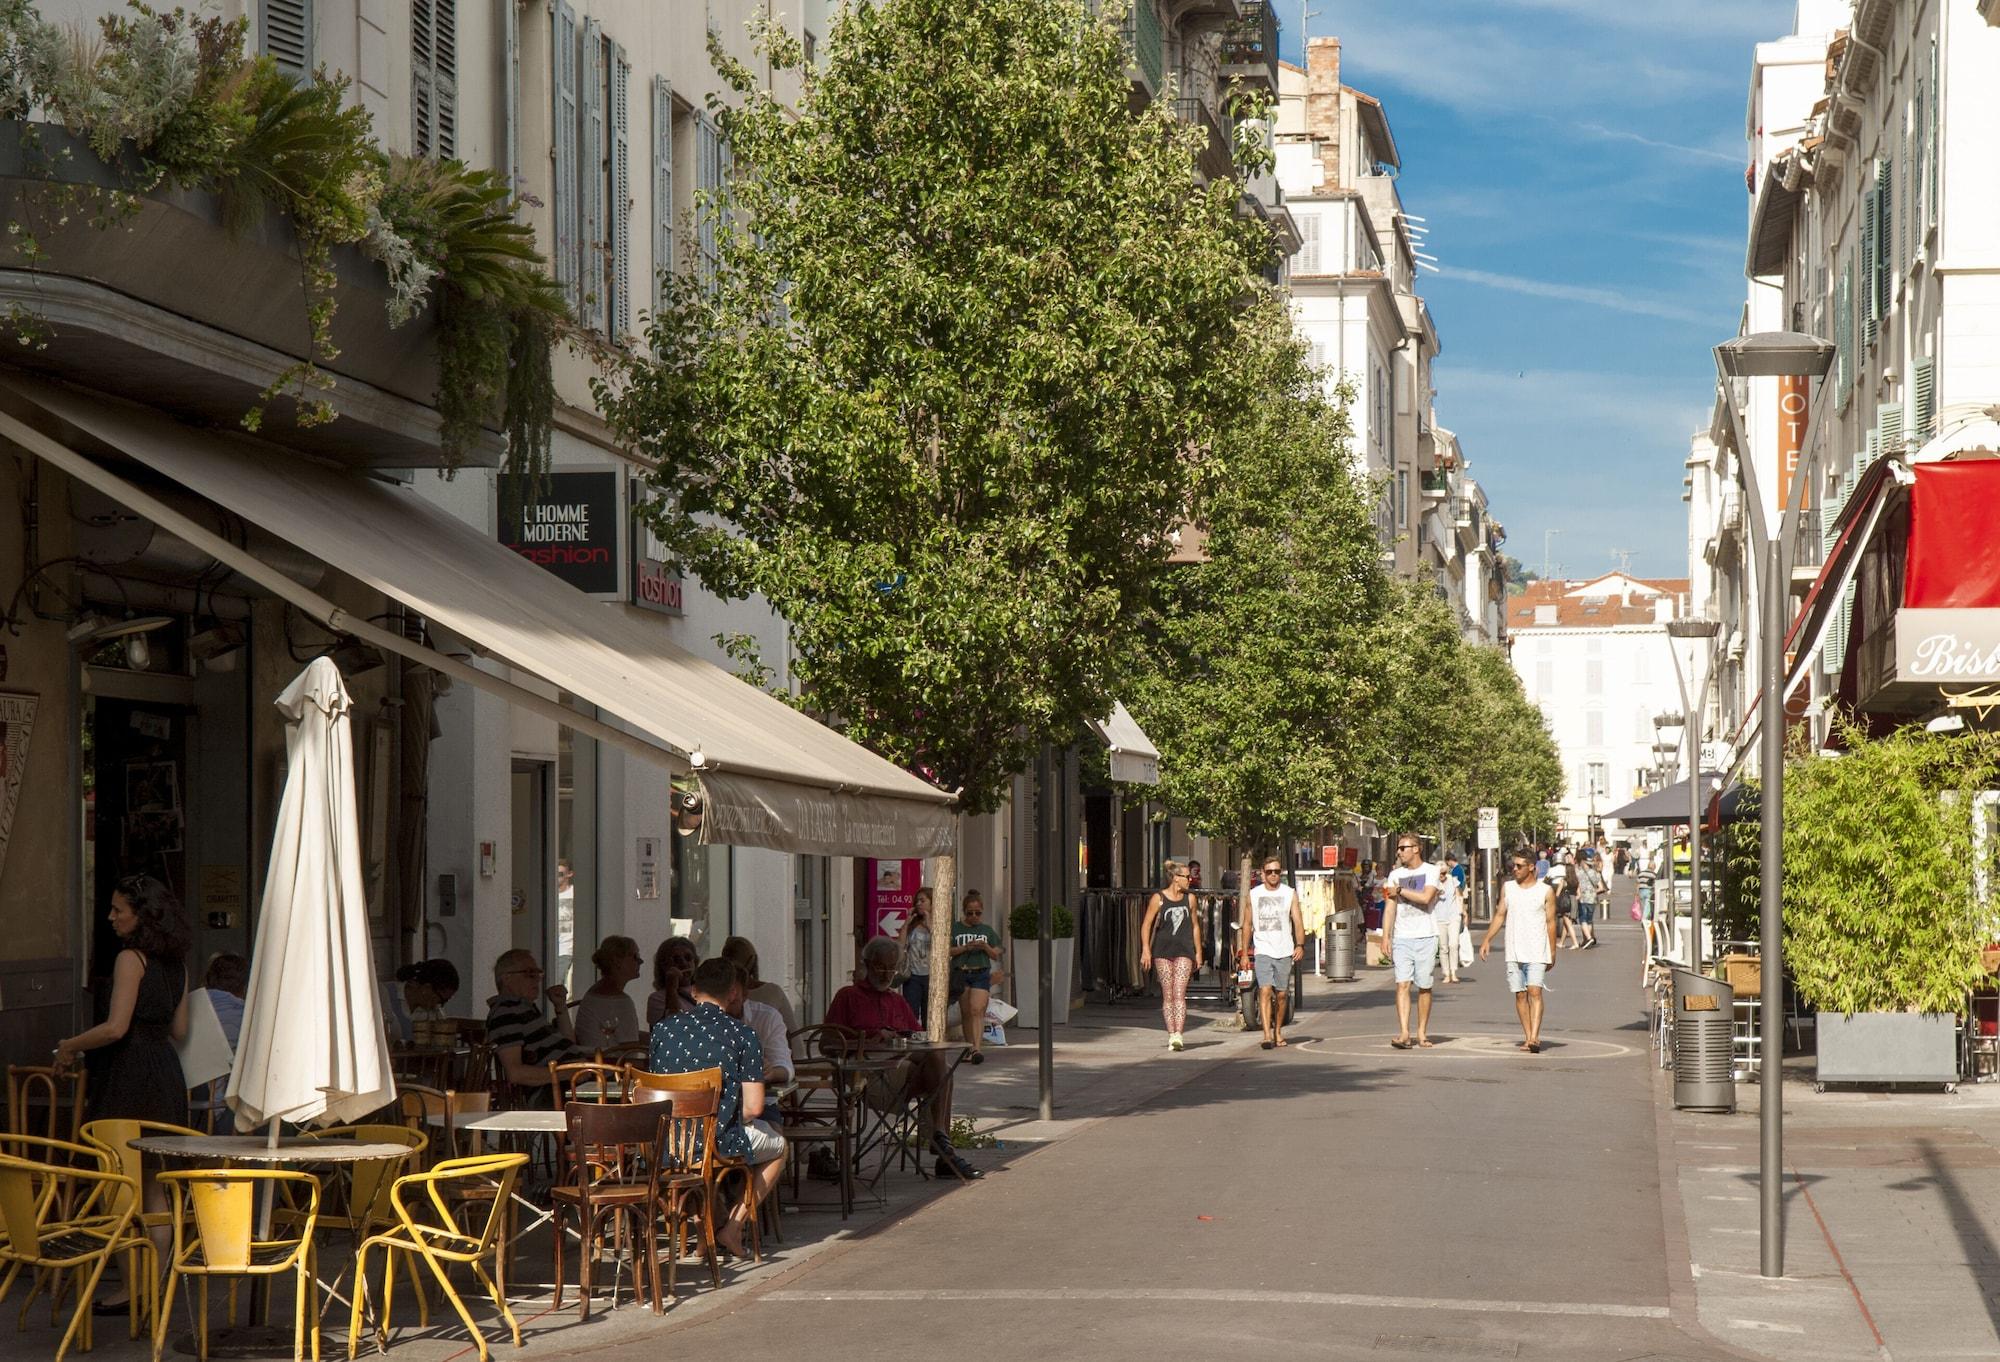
[134,808]
[812,952]
[535,927]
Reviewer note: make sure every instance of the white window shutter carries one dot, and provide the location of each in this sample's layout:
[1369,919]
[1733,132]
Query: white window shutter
[423,88]
[663,189]
[590,173]
[1308,259]
[619,318]
[1889,428]
[1937,142]
[562,62]
[1843,337]
[707,180]
[444,78]
[285,34]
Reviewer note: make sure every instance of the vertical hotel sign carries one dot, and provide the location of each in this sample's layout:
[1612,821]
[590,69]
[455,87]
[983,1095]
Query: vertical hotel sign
[1794,396]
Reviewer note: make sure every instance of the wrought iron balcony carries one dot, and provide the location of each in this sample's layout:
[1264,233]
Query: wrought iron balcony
[1250,47]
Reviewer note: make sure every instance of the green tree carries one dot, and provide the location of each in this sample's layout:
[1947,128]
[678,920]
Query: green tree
[1511,762]
[945,403]
[1413,753]
[1251,686]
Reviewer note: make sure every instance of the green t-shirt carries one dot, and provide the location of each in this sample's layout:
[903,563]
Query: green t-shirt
[972,962]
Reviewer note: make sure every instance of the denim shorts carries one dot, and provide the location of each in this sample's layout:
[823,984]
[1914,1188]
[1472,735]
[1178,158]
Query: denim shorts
[1416,959]
[1524,974]
[1273,971]
[979,979]
[1586,911]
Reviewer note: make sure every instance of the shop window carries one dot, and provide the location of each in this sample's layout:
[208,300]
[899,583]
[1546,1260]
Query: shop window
[576,870]
[704,904]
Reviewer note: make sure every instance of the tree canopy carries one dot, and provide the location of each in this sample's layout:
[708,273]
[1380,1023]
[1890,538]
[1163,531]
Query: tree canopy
[944,404]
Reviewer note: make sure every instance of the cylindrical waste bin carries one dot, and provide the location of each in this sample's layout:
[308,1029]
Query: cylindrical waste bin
[1703,1011]
[1342,932]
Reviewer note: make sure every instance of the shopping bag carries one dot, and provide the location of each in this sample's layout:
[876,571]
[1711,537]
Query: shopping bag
[1000,1012]
[1637,916]
[1465,950]
[994,1034]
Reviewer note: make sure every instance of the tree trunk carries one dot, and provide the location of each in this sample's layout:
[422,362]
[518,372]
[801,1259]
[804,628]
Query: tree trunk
[944,895]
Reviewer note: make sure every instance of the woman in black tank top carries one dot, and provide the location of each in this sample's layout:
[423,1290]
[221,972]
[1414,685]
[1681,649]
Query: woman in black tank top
[1170,946]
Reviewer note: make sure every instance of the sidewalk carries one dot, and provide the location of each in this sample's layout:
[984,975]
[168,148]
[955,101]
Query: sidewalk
[1892,1222]
[1096,1076]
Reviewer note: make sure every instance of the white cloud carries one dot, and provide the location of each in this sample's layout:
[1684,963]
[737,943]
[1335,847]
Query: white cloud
[1588,295]
[1731,158]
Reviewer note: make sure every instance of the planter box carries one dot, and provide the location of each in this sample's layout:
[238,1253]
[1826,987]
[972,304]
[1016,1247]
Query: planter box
[1027,972]
[1888,1047]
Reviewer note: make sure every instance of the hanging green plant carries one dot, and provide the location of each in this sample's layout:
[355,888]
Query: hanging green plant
[194,109]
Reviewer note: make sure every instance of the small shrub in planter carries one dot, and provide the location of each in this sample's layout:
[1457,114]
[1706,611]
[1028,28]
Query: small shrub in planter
[1025,922]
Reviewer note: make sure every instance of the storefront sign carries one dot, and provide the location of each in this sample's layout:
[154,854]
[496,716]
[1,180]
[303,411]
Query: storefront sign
[655,585]
[1949,648]
[571,529]
[17,726]
[892,891]
[647,881]
[1794,392]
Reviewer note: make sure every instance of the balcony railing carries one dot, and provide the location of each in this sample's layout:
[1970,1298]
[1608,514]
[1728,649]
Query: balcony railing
[1143,36]
[1250,47]
[1437,484]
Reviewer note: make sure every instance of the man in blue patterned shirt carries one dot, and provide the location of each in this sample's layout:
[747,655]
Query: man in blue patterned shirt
[707,1037]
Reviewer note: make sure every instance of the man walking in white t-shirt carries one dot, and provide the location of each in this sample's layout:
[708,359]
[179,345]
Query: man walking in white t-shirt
[1274,934]
[1527,913]
[1449,914]
[1409,894]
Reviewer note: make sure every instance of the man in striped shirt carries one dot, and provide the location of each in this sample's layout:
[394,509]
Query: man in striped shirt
[525,1042]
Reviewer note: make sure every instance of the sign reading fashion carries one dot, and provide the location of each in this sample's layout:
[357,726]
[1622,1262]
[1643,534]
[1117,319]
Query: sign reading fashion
[571,529]
[1948,647]
[655,585]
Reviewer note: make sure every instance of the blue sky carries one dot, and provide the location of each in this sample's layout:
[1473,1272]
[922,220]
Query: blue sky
[1581,166]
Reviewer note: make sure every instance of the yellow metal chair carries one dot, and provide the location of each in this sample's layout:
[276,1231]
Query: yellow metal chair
[223,1203]
[365,1208]
[115,1138]
[101,1229]
[429,1228]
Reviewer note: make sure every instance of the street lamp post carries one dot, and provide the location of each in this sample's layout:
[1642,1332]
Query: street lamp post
[1771,354]
[1691,733]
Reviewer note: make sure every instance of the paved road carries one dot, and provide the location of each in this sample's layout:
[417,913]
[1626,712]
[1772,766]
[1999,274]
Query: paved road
[1339,1199]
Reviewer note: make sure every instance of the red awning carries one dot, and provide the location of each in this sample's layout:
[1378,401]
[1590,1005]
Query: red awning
[1954,556]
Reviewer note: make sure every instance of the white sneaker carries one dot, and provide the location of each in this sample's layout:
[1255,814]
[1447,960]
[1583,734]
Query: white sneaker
[1174,1041]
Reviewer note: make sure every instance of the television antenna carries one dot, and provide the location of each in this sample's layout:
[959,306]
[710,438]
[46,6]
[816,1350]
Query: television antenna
[1624,557]
[1548,540]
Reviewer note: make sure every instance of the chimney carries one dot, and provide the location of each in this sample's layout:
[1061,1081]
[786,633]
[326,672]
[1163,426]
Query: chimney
[1323,106]
[1663,608]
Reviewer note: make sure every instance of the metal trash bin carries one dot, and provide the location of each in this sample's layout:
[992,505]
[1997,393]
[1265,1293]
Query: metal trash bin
[1342,935]
[1704,1012]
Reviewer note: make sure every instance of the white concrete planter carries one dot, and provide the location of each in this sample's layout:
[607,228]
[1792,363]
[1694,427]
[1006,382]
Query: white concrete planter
[1887,1047]
[1027,969]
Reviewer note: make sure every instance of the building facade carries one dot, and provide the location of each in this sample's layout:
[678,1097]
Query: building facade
[1595,657]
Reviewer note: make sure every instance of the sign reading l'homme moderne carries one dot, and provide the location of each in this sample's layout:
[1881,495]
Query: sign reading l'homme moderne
[571,529]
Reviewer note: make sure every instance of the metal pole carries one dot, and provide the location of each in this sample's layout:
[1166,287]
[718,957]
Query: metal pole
[1770,931]
[1051,839]
[1688,731]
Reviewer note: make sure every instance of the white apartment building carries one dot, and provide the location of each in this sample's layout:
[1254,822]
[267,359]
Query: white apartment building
[1873,224]
[1594,656]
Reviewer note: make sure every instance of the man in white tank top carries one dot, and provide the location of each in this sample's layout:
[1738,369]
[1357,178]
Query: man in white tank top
[1527,914]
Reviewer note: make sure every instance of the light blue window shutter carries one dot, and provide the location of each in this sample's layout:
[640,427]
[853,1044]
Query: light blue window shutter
[285,34]
[1923,386]
[590,173]
[562,75]
[620,317]
[663,189]
[1835,652]
[1870,264]
[1885,234]
[1889,428]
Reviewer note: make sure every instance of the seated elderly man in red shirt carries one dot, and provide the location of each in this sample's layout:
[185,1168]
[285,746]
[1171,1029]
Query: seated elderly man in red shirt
[877,1009]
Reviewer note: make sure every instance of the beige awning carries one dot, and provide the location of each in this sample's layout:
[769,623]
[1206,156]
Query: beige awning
[772,776]
[1134,759]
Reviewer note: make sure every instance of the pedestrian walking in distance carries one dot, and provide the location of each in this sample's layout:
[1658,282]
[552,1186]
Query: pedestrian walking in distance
[1410,894]
[1274,936]
[1450,917]
[1592,892]
[1527,914]
[1170,946]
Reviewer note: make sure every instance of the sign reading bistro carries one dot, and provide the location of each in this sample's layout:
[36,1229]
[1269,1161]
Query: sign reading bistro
[1948,647]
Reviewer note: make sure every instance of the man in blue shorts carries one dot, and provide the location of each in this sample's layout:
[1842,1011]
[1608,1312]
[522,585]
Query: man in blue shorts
[1527,913]
[1409,893]
[1274,933]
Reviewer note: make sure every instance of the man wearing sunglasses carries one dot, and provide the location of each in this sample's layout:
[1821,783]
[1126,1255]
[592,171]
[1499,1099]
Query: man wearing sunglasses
[1409,893]
[1527,913]
[1274,933]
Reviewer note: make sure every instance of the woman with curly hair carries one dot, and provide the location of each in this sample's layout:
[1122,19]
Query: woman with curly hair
[138,1075]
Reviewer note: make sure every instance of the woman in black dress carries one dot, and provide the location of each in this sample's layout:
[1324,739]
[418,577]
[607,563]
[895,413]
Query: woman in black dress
[137,1074]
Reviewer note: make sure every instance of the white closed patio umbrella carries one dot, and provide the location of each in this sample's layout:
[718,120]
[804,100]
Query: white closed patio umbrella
[312,1048]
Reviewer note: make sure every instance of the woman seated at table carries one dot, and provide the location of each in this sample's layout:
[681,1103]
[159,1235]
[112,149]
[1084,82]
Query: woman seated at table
[524,1040]
[877,1009]
[739,950]
[605,1015]
[673,967]
[425,987]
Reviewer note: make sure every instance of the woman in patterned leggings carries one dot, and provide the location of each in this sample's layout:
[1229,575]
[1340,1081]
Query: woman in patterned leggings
[1170,946]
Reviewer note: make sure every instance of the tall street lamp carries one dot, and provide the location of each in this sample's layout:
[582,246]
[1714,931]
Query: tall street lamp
[1691,733]
[1782,355]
